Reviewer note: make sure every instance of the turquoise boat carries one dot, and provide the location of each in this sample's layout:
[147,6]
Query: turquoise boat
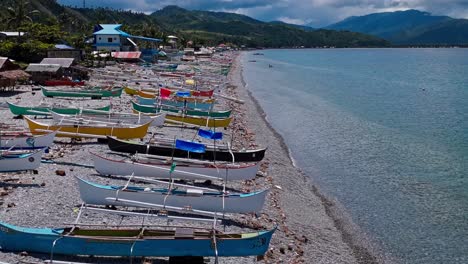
[94,93]
[45,110]
[190,105]
[133,242]
[153,110]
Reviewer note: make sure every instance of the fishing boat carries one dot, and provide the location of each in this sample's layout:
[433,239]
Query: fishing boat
[214,201]
[220,153]
[11,162]
[13,140]
[156,120]
[45,110]
[132,91]
[172,103]
[153,92]
[138,241]
[201,93]
[192,99]
[151,168]
[152,109]
[90,131]
[95,93]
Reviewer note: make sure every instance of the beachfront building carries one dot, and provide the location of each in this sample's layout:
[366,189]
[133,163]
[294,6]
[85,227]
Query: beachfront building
[70,69]
[109,37]
[44,72]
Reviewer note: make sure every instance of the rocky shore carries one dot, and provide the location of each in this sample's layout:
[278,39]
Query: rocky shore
[307,231]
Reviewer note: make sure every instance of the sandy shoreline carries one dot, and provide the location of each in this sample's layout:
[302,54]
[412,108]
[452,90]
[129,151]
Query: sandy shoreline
[308,229]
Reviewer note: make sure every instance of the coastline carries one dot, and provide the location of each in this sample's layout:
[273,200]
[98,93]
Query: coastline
[309,229]
[331,236]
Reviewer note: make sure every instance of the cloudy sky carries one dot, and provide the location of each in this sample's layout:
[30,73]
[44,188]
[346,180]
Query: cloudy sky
[316,12]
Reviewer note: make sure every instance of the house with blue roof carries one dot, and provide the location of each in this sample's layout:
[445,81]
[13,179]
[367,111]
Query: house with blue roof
[109,37]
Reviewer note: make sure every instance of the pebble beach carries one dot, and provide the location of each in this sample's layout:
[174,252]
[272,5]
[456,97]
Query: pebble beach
[310,228]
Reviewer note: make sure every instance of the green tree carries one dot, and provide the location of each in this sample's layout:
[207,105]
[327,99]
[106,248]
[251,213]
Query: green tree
[19,13]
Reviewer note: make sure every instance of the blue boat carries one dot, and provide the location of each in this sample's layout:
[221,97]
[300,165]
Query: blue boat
[142,242]
[171,103]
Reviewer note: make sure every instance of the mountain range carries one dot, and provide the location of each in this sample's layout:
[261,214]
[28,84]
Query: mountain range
[411,27]
[203,27]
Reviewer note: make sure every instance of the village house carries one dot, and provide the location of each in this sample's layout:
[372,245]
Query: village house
[70,69]
[109,37]
[44,72]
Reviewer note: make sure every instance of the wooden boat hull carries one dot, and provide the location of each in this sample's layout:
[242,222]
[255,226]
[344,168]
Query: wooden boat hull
[150,109]
[91,93]
[220,155]
[97,194]
[152,102]
[130,91]
[21,162]
[27,142]
[107,166]
[45,111]
[130,242]
[81,131]
[112,118]
[146,94]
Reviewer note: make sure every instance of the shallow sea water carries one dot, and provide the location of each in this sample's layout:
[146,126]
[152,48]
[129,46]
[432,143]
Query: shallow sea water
[382,131]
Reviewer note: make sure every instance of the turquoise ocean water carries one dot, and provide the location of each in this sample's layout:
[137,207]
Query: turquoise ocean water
[382,131]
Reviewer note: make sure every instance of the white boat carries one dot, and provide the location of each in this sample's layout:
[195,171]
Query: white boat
[193,199]
[26,141]
[20,162]
[112,118]
[227,172]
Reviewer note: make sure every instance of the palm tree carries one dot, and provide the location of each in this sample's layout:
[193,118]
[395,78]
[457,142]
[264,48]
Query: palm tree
[18,13]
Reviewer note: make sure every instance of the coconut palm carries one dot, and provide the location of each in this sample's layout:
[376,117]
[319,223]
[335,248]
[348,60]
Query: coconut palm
[19,13]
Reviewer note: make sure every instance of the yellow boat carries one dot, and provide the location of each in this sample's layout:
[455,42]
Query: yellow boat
[148,94]
[91,131]
[130,91]
[133,91]
[194,120]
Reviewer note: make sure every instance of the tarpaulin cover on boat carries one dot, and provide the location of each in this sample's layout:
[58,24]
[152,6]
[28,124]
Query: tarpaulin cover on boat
[209,134]
[183,94]
[190,146]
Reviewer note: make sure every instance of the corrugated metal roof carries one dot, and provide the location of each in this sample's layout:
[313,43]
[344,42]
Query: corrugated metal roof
[64,62]
[63,47]
[126,55]
[114,29]
[34,67]
[12,34]
[111,29]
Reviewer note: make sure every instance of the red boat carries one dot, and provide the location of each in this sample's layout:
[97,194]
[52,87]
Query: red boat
[207,93]
[63,82]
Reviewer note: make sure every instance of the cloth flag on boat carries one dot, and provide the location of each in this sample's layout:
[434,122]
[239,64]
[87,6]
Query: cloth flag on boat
[210,134]
[190,146]
[163,92]
[183,94]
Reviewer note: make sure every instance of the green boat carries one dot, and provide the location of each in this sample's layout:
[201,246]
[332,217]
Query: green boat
[45,110]
[153,110]
[94,93]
